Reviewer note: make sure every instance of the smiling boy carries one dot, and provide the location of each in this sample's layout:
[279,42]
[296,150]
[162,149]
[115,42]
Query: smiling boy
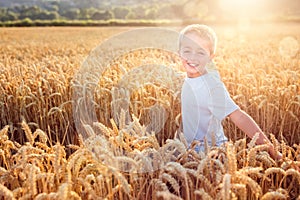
[205,101]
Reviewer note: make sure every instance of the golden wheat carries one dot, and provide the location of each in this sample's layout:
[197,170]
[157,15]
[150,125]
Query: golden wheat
[137,150]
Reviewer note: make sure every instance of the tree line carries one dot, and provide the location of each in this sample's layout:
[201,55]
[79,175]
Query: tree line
[59,12]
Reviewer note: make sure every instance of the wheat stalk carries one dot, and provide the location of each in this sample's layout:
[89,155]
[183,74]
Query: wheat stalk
[226,186]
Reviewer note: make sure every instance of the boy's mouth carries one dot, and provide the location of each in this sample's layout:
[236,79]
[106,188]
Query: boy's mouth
[195,65]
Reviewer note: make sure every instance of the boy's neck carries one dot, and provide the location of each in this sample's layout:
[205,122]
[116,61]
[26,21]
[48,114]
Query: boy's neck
[197,75]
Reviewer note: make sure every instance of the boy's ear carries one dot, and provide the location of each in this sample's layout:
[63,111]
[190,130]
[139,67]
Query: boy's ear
[212,56]
[178,53]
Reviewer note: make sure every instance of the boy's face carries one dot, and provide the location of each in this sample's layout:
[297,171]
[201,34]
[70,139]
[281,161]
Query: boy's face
[195,54]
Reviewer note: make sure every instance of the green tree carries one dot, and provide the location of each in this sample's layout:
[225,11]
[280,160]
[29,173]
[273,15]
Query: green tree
[63,6]
[102,15]
[7,15]
[120,12]
[53,8]
[91,11]
[131,15]
[72,13]
[45,15]
[151,13]
[139,11]
[170,11]
[11,16]
[84,14]
[29,12]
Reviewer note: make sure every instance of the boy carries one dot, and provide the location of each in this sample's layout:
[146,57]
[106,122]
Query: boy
[205,101]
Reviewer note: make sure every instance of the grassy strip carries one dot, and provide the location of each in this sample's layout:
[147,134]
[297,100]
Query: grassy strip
[28,23]
[139,22]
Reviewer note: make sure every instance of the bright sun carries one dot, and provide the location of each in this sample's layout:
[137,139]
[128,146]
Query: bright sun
[245,8]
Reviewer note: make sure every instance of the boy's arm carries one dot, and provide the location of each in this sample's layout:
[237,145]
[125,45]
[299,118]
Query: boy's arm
[242,120]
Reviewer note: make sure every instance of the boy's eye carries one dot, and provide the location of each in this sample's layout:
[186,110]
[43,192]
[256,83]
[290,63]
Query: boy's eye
[186,51]
[201,53]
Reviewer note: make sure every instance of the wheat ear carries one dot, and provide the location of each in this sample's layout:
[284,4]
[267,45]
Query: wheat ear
[6,193]
[273,195]
[241,190]
[231,155]
[28,132]
[167,195]
[201,192]
[255,187]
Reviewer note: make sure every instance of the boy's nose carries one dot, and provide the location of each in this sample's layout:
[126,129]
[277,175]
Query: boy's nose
[192,56]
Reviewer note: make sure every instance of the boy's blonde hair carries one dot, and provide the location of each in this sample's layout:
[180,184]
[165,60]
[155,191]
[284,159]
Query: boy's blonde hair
[204,32]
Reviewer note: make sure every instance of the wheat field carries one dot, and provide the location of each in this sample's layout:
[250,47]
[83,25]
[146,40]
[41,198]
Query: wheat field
[123,155]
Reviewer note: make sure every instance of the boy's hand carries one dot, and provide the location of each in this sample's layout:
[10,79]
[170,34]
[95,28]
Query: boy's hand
[276,155]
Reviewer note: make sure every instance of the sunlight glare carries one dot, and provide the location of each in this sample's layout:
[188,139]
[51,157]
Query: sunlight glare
[288,47]
[240,7]
[229,33]
[244,24]
[195,8]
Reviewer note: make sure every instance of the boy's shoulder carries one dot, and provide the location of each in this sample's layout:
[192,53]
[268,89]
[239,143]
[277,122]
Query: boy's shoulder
[213,79]
[213,71]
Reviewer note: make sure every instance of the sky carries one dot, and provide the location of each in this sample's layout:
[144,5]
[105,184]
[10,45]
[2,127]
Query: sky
[257,8]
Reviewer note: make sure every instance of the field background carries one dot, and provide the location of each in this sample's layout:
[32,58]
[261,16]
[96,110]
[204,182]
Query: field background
[259,64]
[248,59]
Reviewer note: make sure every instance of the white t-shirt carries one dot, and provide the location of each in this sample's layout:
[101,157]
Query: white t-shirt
[205,102]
